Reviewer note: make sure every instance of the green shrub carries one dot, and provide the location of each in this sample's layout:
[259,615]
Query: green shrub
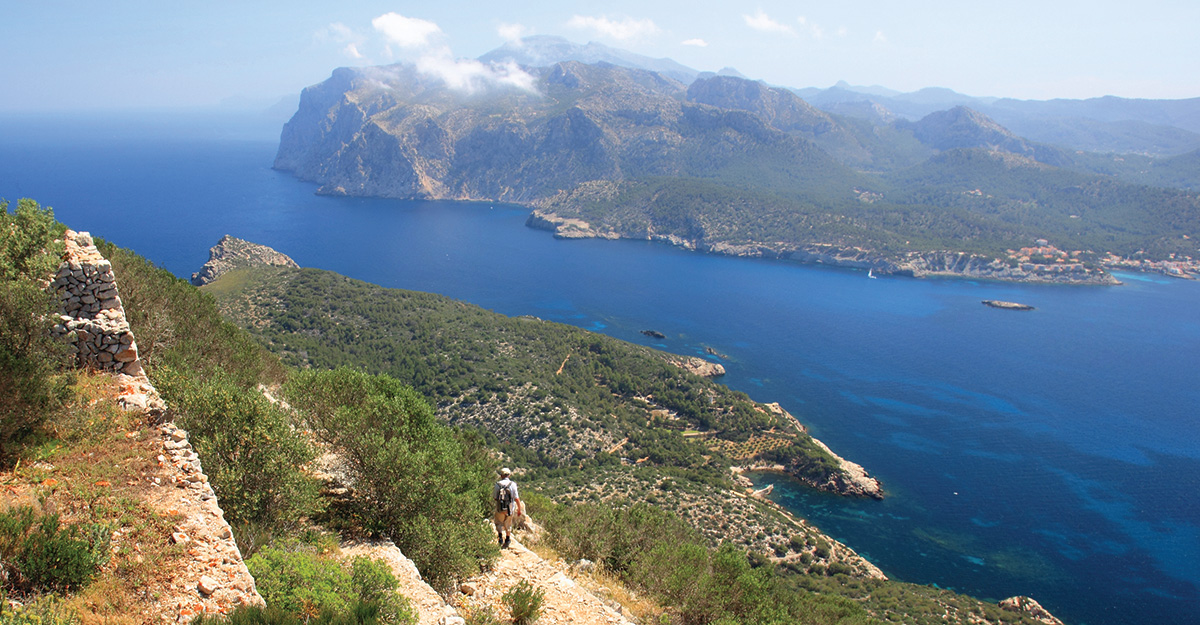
[304,580]
[251,452]
[374,583]
[416,480]
[481,615]
[294,578]
[524,602]
[39,554]
[359,613]
[797,543]
[44,610]
[838,568]
[34,386]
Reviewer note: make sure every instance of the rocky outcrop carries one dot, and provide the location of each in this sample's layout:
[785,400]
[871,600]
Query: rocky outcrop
[566,228]
[232,253]
[1027,606]
[699,366]
[995,303]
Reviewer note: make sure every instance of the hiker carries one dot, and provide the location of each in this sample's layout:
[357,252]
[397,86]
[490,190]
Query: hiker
[508,505]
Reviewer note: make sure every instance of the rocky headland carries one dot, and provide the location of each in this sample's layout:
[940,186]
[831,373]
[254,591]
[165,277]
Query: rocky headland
[233,253]
[851,480]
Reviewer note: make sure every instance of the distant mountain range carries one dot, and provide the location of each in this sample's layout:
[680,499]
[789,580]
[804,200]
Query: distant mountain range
[1107,124]
[613,144]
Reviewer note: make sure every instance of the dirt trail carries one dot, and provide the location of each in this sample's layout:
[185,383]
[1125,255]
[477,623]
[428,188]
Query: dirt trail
[565,601]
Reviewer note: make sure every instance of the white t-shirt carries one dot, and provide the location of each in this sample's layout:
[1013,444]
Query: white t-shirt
[512,487]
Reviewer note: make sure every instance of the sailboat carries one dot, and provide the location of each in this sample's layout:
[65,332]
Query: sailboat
[871,273]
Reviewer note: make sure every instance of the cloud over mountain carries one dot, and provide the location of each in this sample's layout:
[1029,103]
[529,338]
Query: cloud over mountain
[620,29]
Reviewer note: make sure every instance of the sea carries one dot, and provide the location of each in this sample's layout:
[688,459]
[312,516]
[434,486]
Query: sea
[1053,453]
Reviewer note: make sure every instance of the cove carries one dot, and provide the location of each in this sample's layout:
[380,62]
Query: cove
[1052,453]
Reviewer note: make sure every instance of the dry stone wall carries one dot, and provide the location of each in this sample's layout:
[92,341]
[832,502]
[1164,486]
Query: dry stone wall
[91,316]
[214,577]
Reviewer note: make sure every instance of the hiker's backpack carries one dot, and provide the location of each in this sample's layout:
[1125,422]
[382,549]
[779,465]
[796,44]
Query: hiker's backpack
[504,497]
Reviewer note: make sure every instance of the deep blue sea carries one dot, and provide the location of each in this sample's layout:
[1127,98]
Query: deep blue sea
[1052,453]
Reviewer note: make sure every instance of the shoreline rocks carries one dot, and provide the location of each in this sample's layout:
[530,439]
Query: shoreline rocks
[931,264]
[699,366]
[1031,608]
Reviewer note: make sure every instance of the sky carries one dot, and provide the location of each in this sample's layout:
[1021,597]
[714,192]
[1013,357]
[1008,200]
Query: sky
[89,55]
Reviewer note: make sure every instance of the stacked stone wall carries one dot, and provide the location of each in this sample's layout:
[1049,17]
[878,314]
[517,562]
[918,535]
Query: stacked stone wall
[91,316]
[214,578]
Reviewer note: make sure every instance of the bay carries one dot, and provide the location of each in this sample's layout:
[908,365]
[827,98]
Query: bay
[1052,453]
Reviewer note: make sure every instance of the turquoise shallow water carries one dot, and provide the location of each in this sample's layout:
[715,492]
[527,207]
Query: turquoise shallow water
[1053,453]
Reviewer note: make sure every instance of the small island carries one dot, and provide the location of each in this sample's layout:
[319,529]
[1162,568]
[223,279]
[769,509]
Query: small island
[654,334]
[995,303]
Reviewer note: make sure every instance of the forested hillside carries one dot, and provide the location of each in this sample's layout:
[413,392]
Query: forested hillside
[564,399]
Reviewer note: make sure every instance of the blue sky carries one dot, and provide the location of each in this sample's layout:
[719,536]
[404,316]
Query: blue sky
[134,54]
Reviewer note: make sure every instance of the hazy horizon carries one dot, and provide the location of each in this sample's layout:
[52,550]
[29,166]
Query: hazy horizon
[79,56]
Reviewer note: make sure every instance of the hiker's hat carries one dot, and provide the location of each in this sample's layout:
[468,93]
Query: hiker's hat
[505,472]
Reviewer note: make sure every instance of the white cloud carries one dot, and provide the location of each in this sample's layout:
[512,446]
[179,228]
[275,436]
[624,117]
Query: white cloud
[622,29]
[512,32]
[423,44]
[880,38]
[406,32]
[761,21]
[841,31]
[699,43]
[471,75]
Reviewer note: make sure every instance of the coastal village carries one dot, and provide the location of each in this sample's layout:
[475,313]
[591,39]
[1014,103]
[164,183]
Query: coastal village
[1043,257]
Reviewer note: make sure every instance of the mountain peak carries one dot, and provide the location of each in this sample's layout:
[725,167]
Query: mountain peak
[964,127]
